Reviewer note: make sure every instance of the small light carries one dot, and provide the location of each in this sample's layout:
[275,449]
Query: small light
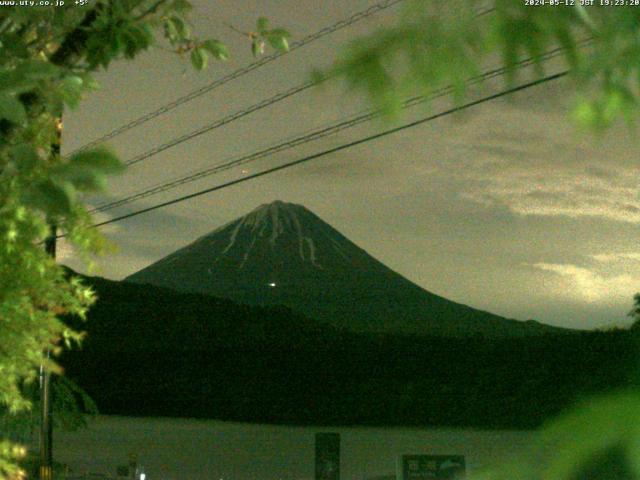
[143,476]
[272,284]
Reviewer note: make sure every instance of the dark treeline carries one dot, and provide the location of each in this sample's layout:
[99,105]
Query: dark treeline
[154,352]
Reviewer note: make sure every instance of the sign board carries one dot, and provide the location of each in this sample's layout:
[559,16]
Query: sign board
[428,467]
[327,456]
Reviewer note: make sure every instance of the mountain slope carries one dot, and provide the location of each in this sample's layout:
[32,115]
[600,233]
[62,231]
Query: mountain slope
[282,253]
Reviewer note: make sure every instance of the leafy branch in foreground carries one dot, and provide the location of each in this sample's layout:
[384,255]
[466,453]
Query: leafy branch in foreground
[47,57]
[574,445]
[437,44]
[440,44]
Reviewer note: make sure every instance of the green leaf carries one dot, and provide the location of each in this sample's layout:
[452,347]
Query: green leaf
[171,29]
[26,75]
[591,429]
[101,160]
[90,83]
[24,157]
[71,90]
[278,42]
[217,49]
[257,47]
[585,113]
[83,179]
[277,38]
[262,25]
[34,70]
[87,171]
[181,6]
[117,42]
[135,39]
[199,58]
[14,45]
[7,80]
[181,27]
[12,109]
[51,197]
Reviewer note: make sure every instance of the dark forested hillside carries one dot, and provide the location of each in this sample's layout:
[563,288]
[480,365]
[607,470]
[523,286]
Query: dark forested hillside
[152,351]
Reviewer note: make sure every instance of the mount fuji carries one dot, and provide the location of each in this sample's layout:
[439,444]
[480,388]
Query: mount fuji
[283,254]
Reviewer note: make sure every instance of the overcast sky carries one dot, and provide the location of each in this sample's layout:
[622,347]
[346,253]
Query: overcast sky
[506,207]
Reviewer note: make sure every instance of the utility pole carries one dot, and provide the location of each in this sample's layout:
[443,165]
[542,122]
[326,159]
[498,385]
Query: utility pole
[46,425]
[46,430]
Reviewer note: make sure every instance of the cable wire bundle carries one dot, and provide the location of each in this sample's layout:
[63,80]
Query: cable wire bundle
[337,149]
[299,140]
[241,71]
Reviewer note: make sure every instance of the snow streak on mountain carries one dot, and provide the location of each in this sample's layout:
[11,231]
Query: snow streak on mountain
[281,253]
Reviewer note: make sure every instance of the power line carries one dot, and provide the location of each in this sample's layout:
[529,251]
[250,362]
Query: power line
[308,137]
[234,116]
[219,123]
[241,71]
[290,143]
[337,149]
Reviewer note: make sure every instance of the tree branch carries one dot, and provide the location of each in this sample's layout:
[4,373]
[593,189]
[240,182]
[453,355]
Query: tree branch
[236,30]
[153,9]
[74,43]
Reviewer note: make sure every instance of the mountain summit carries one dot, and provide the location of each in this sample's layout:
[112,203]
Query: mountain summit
[282,253]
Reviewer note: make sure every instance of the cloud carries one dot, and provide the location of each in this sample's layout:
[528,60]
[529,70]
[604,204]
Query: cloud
[569,191]
[567,188]
[617,257]
[590,285]
[548,171]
